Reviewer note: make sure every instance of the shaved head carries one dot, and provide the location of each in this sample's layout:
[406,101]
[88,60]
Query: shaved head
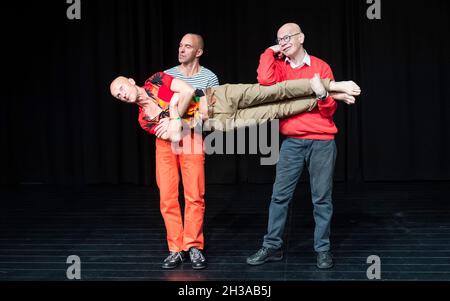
[124,89]
[200,43]
[290,38]
[117,81]
[191,48]
[290,27]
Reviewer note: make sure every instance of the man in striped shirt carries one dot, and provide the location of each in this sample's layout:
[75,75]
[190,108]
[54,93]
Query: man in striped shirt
[188,236]
[189,53]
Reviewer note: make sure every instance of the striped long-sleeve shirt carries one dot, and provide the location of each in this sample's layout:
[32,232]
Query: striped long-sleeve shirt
[203,79]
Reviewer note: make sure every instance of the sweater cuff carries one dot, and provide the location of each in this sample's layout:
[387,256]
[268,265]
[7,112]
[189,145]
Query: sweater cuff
[328,102]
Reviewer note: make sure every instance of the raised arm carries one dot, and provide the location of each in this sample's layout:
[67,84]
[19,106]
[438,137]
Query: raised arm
[268,73]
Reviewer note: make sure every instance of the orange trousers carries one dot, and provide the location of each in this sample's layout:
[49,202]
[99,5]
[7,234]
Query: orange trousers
[182,236]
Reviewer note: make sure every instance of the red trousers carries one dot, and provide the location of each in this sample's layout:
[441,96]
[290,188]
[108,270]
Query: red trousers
[182,236]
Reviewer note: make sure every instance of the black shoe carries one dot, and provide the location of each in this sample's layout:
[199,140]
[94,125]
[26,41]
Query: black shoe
[173,260]
[265,255]
[324,260]
[198,261]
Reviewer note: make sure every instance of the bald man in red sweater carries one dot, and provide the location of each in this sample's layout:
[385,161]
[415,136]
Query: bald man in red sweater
[309,142]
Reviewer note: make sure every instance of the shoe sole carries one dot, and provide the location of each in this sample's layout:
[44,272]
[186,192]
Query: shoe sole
[199,268]
[325,267]
[268,259]
[171,268]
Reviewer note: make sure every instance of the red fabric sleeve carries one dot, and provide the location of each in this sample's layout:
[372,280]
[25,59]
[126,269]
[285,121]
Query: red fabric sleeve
[268,73]
[164,92]
[145,125]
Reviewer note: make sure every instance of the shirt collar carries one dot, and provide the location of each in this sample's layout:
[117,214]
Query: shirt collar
[306,61]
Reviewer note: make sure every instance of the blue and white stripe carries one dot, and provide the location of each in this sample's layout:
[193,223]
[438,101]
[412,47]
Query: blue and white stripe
[203,79]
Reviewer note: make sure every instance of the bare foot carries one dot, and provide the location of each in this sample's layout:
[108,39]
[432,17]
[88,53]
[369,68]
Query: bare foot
[317,86]
[348,87]
[348,99]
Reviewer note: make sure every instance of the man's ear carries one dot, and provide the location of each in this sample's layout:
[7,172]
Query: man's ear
[131,81]
[199,53]
[302,38]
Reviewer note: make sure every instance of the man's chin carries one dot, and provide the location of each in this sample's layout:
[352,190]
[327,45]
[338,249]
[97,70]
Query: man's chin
[287,53]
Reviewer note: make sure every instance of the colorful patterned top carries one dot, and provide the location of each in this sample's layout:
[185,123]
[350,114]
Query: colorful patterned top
[158,88]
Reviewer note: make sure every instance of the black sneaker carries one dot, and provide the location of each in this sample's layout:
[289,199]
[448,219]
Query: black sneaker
[198,261]
[265,255]
[324,260]
[173,260]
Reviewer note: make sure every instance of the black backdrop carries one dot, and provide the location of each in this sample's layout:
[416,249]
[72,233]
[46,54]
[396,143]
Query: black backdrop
[59,125]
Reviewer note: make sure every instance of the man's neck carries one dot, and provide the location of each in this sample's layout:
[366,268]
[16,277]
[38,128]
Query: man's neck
[143,100]
[142,97]
[190,69]
[147,103]
[298,58]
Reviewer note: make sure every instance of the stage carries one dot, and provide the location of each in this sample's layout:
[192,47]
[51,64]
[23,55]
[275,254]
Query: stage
[118,233]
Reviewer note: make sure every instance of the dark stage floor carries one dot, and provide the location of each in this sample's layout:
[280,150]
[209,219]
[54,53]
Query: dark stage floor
[118,233]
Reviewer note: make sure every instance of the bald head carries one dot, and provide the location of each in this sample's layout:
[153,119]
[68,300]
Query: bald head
[117,81]
[124,89]
[197,39]
[293,27]
[290,38]
[191,48]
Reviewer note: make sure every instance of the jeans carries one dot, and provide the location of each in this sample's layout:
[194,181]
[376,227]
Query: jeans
[320,157]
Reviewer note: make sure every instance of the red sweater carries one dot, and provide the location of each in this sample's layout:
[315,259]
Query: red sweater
[317,124]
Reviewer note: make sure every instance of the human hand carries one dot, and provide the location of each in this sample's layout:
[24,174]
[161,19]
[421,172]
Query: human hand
[275,48]
[277,51]
[348,87]
[344,97]
[174,129]
[162,127]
